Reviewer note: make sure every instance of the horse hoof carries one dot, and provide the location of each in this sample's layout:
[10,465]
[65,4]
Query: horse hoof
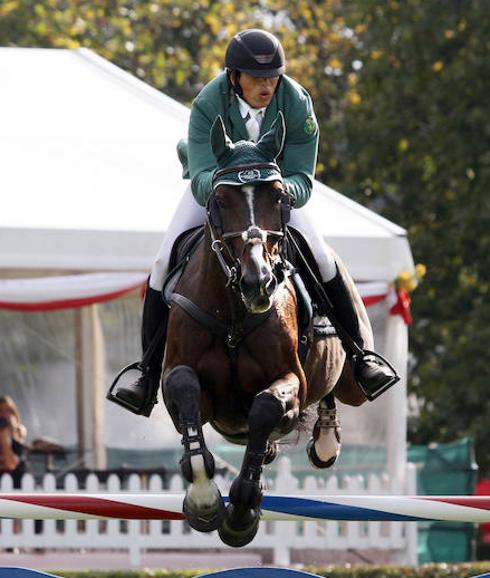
[271,453]
[239,526]
[204,517]
[314,459]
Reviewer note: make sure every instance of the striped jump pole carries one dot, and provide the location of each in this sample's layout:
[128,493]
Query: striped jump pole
[168,506]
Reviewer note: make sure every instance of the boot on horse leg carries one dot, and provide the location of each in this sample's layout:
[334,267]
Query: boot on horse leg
[372,374]
[323,448]
[268,410]
[203,505]
[141,395]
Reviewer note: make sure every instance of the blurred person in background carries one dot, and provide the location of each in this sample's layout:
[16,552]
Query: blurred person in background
[13,448]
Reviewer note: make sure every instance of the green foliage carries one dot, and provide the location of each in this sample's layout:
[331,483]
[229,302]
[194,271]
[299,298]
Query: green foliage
[415,146]
[170,45]
[401,90]
[426,571]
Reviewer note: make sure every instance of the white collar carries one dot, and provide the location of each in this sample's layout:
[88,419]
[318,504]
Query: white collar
[245,108]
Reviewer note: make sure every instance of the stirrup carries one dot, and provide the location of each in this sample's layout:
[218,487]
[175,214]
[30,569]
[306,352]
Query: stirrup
[146,408]
[372,395]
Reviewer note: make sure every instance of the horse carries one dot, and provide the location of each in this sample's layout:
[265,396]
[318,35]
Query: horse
[232,357]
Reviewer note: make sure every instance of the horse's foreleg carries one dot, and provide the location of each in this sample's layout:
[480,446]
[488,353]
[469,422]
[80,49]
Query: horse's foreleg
[203,504]
[323,448]
[274,408]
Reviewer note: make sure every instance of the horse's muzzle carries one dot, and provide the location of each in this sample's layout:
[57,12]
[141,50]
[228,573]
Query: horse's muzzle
[257,292]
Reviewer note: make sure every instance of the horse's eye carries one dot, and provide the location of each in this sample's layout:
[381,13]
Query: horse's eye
[220,201]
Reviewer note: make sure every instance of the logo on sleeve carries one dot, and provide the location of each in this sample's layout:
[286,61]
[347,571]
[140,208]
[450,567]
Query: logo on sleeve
[310,125]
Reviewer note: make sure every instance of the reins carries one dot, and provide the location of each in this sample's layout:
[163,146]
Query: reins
[242,323]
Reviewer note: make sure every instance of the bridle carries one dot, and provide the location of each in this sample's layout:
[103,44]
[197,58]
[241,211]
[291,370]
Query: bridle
[242,323]
[220,241]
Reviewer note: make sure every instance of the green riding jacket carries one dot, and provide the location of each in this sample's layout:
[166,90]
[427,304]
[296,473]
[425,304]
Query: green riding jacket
[298,159]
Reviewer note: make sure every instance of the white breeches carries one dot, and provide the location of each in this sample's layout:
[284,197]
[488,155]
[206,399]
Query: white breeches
[190,214]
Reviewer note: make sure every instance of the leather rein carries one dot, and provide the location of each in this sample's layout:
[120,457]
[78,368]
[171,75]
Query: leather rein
[241,325]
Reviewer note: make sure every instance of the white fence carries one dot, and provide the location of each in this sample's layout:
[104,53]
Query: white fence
[398,538]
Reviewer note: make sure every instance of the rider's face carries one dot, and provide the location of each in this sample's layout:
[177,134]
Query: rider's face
[258,92]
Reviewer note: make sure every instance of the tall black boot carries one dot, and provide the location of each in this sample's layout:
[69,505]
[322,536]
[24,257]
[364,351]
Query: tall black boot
[373,376]
[141,395]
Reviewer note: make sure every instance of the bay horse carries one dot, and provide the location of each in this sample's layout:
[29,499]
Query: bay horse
[232,348]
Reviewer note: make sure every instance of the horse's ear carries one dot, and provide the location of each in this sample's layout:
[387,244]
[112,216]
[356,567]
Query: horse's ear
[220,142]
[273,141]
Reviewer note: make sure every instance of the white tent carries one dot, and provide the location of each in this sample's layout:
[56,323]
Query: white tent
[89,177]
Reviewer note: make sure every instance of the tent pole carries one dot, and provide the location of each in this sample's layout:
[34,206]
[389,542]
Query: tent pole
[79,407]
[90,382]
[397,353]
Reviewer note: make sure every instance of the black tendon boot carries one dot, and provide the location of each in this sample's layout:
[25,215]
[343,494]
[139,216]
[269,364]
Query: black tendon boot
[374,375]
[141,395]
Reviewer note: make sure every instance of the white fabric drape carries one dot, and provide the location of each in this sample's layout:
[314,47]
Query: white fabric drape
[45,293]
[50,293]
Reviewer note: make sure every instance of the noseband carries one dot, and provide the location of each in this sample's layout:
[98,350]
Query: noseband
[254,235]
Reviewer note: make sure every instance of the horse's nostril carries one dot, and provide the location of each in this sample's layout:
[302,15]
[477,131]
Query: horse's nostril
[271,285]
[267,280]
[247,284]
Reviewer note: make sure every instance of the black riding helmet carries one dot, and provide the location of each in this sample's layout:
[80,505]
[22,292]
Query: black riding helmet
[255,52]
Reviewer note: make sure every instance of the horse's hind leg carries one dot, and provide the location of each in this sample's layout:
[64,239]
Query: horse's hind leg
[275,408]
[324,446]
[203,505]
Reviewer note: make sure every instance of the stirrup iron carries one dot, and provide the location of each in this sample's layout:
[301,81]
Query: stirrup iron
[372,395]
[146,408]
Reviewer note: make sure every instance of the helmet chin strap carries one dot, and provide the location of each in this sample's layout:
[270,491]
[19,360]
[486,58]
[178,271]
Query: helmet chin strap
[234,78]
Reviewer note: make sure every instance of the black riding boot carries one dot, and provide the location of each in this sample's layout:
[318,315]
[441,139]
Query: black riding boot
[140,396]
[371,373]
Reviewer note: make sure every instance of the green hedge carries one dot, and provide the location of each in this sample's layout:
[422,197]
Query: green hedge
[466,570]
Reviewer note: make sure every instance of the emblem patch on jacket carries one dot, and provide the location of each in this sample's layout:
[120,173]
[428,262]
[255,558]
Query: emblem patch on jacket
[310,125]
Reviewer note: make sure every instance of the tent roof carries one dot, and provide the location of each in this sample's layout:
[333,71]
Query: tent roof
[90,177]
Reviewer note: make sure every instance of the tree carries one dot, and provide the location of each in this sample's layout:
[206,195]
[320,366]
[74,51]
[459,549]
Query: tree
[413,143]
[174,46]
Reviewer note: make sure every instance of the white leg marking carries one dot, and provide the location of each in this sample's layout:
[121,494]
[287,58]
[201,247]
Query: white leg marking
[327,445]
[202,491]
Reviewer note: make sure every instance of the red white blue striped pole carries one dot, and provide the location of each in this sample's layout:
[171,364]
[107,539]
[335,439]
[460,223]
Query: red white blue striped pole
[168,506]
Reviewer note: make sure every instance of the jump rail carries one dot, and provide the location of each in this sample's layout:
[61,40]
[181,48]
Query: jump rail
[168,506]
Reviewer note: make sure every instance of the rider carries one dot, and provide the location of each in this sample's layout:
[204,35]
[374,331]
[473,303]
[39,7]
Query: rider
[248,95]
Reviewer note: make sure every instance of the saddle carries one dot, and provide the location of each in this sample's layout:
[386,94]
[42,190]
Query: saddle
[306,278]
[182,250]
[311,322]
